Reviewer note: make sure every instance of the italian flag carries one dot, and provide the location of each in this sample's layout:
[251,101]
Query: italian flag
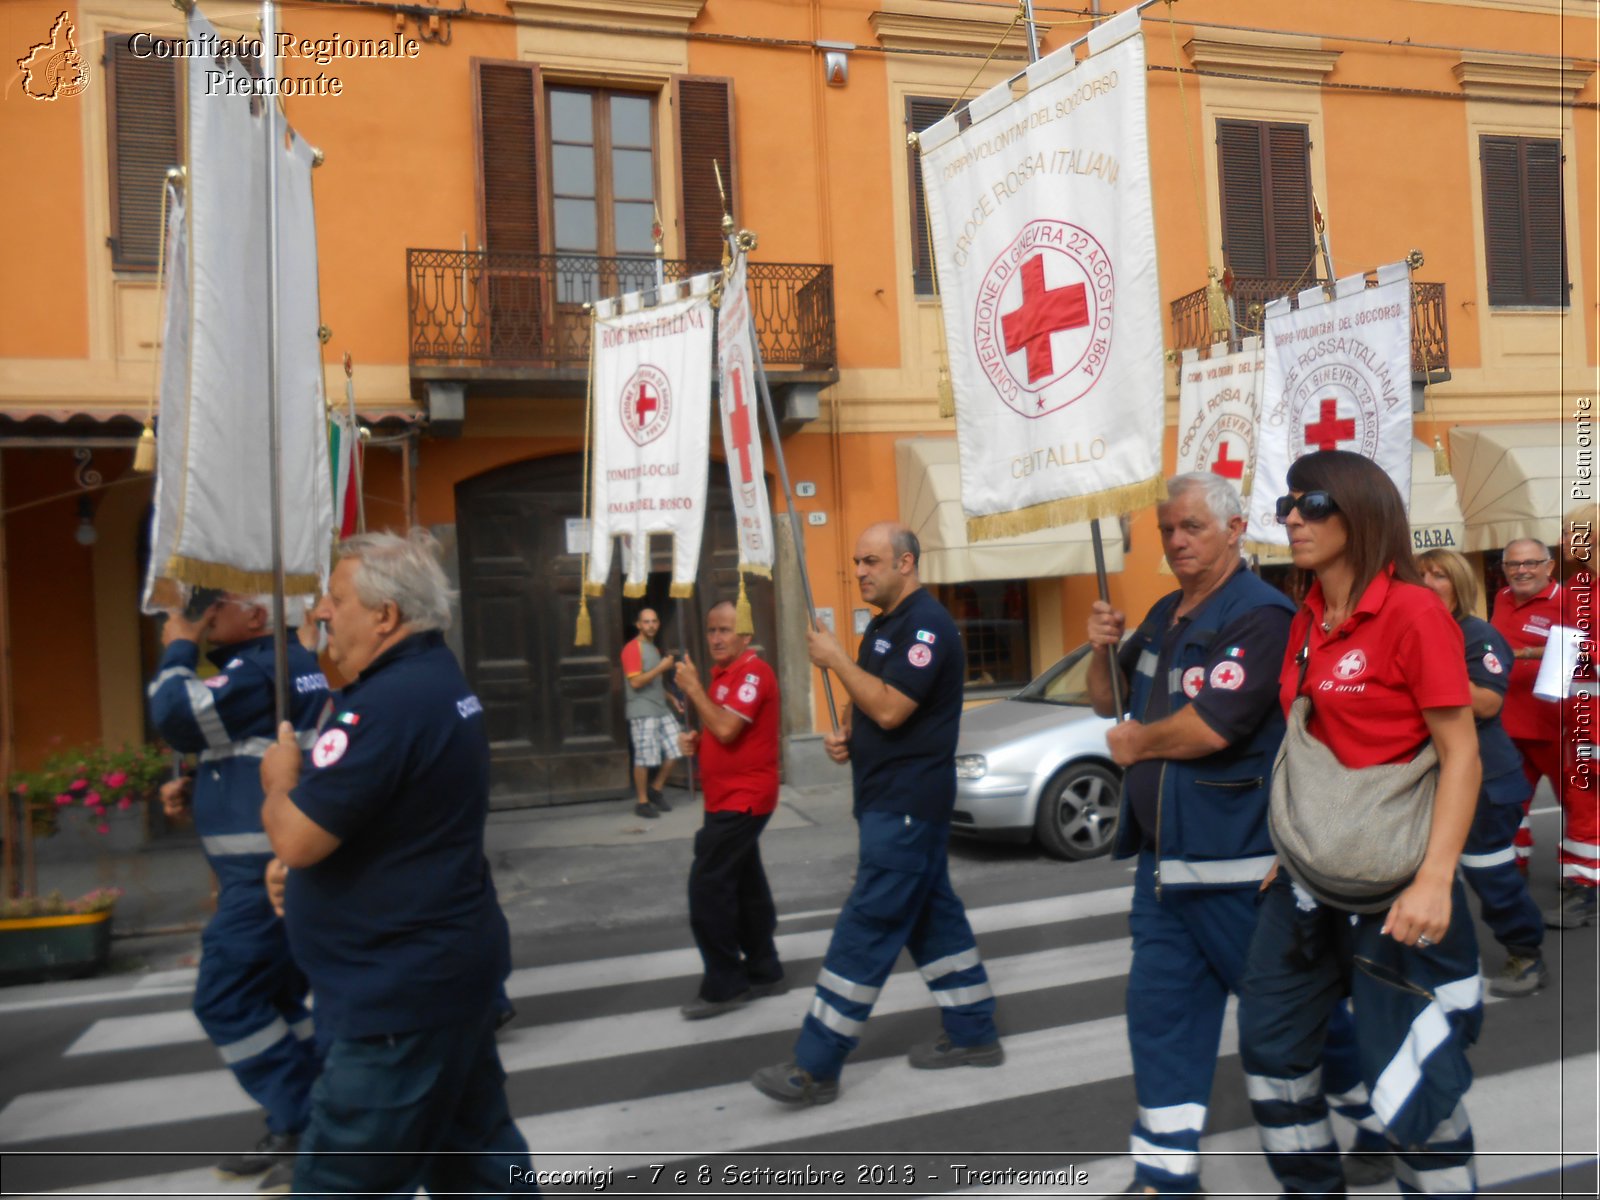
[344,456]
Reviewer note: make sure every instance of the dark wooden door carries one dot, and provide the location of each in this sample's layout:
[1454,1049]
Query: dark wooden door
[556,727]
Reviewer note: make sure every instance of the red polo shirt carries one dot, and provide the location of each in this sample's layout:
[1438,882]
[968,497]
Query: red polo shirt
[1527,623]
[742,775]
[1369,680]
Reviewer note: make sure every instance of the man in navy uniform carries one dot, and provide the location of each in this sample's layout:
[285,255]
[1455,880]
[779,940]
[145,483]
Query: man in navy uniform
[899,737]
[250,996]
[389,902]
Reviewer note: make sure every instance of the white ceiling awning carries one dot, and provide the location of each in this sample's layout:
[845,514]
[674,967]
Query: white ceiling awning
[929,477]
[1514,479]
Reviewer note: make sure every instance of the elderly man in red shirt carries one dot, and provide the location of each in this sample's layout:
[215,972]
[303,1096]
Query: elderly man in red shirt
[1524,612]
[730,905]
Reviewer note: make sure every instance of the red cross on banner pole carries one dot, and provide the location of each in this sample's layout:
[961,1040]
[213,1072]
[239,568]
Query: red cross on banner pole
[645,405]
[1044,311]
[739,419]
[1228,468]
[1329,430]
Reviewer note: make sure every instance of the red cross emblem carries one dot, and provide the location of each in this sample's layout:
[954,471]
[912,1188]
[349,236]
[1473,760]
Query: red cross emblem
[1229,676]
[1044,311]
[646,404]
[1228,468]
[1329,430]
[739,425]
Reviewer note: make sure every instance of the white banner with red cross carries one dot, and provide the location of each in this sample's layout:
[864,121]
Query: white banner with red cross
[1337,377]
[1217,412]
[651,432]
[1045,247]
[741,425]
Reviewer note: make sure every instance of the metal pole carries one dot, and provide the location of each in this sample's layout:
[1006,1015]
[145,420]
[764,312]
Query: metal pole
[682,613]
[357,471]
[1033,33]
[280,625]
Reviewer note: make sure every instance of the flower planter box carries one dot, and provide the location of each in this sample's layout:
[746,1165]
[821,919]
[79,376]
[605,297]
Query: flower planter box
[38,948]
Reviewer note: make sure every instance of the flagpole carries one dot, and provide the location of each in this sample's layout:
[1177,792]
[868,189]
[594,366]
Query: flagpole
[1094,525]
[280,626]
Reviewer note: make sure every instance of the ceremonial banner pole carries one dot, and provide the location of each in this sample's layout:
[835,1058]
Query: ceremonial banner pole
[280,626]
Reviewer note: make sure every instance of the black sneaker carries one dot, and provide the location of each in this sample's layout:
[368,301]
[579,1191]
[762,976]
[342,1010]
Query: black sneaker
[262,1159]
[934,1056]
[773,987]
[280,1179]
[700,1008]
[1574,910]
[646,810]
[1367,1168]
[658,799]
[793,1085]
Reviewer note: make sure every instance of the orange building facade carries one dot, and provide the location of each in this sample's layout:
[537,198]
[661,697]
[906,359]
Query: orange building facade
[504,165]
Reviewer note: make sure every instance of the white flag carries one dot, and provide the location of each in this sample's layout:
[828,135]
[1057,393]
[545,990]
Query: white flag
[651,433]
[1045,248]
[741,426]
[1217,413]
[1338,377]
[213,519]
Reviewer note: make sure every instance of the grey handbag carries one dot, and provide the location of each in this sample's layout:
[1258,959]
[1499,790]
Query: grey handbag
[1351,836]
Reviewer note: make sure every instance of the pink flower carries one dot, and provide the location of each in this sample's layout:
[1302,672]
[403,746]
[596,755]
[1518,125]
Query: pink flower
[21,789]
[116,779]
[98,810]
[125,803]
[77,785]
[63,799]
[102,828]
[92,799]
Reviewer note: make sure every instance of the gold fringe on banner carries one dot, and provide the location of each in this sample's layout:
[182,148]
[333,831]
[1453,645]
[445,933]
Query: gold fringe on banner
[1270,552]
[593,589]
[1110,503]
[679,591]
[232,579]
[634,590]
[760,569]
[742,620]
[585,633]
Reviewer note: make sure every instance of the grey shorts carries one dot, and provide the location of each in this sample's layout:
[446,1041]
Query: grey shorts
[655,740]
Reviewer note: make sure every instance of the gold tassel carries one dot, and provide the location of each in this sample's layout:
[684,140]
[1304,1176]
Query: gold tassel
[1441,460]
[742,621]
[585,634]
[1245,482]
[1217,307]
[947,395]
[144,454]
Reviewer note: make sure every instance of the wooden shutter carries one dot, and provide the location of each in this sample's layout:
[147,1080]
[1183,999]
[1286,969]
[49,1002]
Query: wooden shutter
[508,156]
[921,112]
[1524,229]
[142,128]
[1264,171]
[704,108]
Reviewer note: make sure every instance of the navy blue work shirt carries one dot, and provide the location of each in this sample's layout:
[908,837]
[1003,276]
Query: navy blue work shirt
[916,649]
[1489,666]
[399,929]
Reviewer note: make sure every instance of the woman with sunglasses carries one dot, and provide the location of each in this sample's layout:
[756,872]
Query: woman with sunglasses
[1384,665]
[1488,862]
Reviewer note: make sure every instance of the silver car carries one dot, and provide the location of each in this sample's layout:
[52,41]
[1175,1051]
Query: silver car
[1036,766]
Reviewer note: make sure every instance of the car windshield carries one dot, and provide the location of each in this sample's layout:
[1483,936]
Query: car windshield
[1065,683]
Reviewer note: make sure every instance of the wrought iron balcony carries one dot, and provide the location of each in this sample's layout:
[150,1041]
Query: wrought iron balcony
[478,314]
[1430,340]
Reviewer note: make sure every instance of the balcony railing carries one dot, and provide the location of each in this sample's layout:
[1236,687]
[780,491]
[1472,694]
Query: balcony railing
[1430,340]
[475,309]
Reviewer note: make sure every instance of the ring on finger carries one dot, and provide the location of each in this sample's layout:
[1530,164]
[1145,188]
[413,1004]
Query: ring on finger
[1424,941]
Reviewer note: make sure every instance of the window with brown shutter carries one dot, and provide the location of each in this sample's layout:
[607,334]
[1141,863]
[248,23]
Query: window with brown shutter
[1264,169]
[921,112]
[1524,232]
[142,132]
[509,202]
[704,106]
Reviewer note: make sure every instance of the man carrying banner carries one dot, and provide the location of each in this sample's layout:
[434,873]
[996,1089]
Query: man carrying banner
[730,905]
[651,725]
[249,995]
[1197,751]
[899,737]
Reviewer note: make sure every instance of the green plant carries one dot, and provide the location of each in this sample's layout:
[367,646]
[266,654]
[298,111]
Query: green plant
[100,780]
[56,905]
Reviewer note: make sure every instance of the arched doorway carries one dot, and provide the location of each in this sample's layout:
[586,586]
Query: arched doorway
[554,710]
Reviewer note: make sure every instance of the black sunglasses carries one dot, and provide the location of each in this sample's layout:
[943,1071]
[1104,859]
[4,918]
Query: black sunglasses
[1313,506]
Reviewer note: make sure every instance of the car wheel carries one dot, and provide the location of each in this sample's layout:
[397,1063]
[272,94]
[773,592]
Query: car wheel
[1077,815]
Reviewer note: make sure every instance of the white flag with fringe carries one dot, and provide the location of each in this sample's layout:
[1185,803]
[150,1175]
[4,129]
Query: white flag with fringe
[1217,412]
[212,519]
[741,425]
[651,425]
[1337,377]
[1044,242]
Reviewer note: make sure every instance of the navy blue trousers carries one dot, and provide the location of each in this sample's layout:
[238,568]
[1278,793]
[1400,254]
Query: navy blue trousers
[902,898]
[1415,1011]
[432,1102]
[1489,865]
[730,906]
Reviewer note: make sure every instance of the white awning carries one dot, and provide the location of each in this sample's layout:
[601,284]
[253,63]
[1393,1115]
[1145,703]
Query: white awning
[1514,480]
[929,477]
